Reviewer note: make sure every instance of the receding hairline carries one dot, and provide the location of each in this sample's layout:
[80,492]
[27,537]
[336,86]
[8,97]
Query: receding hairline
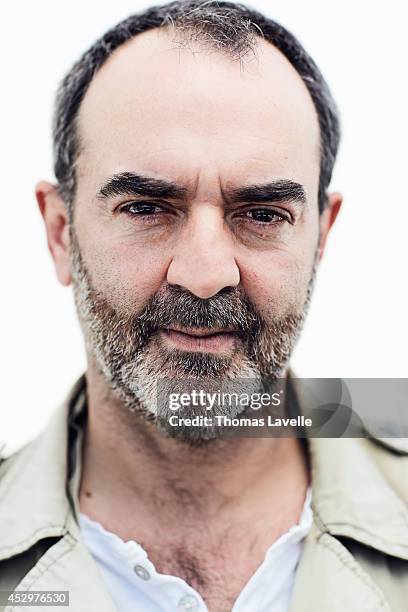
[226,22]
[183,41]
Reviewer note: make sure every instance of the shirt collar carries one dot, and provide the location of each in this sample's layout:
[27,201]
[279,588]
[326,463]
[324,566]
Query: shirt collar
[132,576]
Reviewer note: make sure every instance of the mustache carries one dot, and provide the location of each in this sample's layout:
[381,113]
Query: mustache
[174,305]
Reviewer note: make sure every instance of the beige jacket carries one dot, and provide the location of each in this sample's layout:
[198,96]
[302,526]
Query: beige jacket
[355,558]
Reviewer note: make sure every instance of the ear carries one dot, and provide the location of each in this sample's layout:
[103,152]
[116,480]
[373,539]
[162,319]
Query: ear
[327,219]
[53,210]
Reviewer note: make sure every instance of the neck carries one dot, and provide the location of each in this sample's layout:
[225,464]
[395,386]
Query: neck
[133,474]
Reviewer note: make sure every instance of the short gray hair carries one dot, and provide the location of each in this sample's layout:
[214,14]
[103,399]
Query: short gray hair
[224,26]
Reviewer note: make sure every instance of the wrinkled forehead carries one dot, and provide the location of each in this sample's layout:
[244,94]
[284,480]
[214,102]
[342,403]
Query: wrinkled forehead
[173,108]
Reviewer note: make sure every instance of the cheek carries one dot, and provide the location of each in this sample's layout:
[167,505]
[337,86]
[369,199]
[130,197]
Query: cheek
[276,279]
[277,283]
[128,277]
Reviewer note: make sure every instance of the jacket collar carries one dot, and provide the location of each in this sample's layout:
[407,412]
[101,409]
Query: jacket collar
[354,487]
[353,492]
[33,490]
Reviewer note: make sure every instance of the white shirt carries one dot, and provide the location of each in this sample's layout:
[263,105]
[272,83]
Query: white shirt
[136,586]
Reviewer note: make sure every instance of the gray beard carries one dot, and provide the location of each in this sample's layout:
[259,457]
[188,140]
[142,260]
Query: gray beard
[142,372]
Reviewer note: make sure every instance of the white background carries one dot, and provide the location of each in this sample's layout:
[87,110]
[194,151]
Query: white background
[358,321]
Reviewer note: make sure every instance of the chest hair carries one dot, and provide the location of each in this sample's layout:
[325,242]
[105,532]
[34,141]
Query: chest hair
[217,568]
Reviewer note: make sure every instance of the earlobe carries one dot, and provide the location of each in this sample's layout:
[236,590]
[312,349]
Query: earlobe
[54,213]
[327,219]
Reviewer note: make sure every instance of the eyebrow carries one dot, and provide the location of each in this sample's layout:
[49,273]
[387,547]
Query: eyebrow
[283,190]
[129,183]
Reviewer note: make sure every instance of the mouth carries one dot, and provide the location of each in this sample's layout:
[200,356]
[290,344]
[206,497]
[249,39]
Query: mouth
[206,340]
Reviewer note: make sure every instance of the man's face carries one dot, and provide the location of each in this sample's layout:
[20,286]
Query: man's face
[196,212]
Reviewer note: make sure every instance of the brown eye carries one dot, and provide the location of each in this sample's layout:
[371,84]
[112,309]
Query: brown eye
[141,208]
[263,215]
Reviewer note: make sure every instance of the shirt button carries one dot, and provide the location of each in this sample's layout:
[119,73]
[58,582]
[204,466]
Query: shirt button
[141,572]
[188,602]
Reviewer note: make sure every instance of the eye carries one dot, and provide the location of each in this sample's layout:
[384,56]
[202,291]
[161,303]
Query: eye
[267,216]
[142,209]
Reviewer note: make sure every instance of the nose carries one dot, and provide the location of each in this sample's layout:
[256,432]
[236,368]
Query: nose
[203,259]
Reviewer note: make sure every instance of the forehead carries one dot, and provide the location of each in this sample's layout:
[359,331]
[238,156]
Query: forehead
[174,110]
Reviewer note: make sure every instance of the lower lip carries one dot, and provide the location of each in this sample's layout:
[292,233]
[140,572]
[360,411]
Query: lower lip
[214,343]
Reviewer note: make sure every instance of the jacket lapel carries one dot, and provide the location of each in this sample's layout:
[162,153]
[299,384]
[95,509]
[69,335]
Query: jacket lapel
[68,566]
[330,580]
[36,506]
[352,498]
